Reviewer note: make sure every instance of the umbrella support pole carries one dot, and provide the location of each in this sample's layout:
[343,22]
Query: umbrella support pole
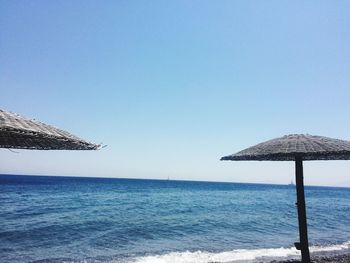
[304,243]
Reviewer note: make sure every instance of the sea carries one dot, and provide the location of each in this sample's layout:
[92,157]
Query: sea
[76,219]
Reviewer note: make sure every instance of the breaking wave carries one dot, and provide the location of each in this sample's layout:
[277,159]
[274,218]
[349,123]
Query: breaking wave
[242,255]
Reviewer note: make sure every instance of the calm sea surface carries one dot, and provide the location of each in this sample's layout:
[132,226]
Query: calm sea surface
[66,219]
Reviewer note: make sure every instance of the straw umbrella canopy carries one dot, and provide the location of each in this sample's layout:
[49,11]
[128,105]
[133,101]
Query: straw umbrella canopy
[297,147]
[17,132]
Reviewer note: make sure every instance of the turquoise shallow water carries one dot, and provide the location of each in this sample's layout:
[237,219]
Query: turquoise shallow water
[66,219]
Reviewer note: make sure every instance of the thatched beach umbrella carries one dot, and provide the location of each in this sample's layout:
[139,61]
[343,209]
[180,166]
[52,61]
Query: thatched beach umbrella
[18,132]
[297,147]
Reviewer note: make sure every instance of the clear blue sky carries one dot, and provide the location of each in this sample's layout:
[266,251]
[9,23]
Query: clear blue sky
[171,86]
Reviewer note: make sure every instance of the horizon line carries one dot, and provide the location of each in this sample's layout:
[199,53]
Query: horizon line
[167,179]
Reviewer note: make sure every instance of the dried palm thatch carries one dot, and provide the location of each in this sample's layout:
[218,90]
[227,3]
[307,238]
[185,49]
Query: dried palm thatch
[286,148]
[21,133]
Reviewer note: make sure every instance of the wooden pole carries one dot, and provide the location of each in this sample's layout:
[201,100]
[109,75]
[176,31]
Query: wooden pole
[304,243]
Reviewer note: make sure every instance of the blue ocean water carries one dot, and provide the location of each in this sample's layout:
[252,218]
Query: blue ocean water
[70,219]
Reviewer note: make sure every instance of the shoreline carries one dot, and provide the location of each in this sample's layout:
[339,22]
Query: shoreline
[322,259]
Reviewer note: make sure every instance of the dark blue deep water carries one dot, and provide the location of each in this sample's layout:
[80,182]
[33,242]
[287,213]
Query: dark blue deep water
[67,219]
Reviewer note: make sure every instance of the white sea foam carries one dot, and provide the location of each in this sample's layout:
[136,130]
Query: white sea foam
[332,248]
[238,255]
